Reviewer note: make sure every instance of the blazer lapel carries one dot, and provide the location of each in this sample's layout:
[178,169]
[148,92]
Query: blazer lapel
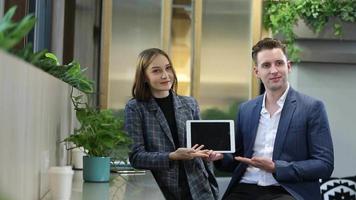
[181,118]
[286,116]
[255,118]
[154,108]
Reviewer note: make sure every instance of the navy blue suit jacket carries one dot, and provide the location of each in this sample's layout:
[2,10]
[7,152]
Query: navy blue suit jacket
[303,149]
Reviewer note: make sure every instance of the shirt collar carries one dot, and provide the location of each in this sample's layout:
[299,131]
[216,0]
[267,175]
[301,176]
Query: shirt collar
[280,101]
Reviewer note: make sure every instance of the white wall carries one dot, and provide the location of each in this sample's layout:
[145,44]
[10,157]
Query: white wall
[327,71]
[335,85]
[35,114]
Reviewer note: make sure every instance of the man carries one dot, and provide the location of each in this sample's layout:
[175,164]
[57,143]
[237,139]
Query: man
[283,139]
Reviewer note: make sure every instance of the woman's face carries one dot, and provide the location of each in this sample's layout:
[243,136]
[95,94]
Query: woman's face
[159,76]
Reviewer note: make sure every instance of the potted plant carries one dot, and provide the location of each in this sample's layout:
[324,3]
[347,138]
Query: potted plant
[100,134]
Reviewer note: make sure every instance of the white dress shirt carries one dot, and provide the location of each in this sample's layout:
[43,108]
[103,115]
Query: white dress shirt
[264,143]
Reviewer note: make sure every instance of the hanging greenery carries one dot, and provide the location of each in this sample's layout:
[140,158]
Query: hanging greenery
[281,16]
[11,33]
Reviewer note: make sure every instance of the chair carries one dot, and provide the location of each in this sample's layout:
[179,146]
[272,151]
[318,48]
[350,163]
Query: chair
[339,188]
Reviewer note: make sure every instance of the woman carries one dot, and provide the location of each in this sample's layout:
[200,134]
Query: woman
[155,119]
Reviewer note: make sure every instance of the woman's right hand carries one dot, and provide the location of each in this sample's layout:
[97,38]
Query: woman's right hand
[189,153]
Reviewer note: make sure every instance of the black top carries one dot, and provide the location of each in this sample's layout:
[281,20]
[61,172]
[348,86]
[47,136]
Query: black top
[167,107]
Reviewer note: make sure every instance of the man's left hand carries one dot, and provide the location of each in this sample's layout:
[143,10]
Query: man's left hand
[259,162]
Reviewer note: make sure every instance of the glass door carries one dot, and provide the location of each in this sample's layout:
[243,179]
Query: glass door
[136,25]
[209,42]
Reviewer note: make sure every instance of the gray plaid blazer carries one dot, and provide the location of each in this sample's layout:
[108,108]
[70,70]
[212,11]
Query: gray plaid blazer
[152,143]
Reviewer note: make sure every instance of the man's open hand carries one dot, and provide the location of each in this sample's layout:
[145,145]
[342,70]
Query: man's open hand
[259,162]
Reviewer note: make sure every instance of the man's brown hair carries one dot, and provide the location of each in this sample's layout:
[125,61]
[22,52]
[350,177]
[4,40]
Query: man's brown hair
[267,43]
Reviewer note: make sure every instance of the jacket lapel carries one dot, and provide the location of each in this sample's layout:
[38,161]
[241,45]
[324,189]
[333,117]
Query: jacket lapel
[254,122]
[286,116]
[154,108]
[181,118]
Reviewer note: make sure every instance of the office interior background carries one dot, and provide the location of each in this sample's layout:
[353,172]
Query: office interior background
[209,42]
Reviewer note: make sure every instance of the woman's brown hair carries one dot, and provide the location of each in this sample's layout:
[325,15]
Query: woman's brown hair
[140,89]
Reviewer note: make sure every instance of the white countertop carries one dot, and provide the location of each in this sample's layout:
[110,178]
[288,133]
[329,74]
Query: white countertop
[120,187]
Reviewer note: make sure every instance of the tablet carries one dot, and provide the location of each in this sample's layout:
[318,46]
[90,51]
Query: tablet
[217,135]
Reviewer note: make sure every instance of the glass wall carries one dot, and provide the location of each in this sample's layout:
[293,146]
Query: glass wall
[181,38]
[225,63]
[136,25]
[225,74]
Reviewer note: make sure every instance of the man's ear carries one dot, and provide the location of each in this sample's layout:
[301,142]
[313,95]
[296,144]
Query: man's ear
[289,65]
[255,70]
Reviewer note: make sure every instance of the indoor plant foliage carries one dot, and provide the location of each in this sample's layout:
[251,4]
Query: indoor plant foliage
[281,16]
[100,132]
[101,135]
[71,73]
[214,113]
[11,33]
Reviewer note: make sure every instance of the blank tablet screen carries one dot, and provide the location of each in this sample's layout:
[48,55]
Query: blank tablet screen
[217,135]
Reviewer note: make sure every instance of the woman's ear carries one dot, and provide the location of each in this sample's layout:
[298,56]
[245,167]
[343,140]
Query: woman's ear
[146,81]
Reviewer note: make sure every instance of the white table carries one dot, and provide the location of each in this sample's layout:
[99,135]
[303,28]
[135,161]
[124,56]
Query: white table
[120,187]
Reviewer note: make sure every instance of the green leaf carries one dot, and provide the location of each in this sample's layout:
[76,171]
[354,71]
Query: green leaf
[100,131]
[337,29]
[23,27]
[6,19]
[280,16]
[37,56]
[53,57]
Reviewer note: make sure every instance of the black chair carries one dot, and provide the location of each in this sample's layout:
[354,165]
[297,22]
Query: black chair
[339,188]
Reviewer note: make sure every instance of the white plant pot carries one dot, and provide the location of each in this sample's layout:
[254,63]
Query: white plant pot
[77,158]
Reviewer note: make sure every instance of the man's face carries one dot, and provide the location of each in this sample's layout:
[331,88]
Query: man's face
[273,69]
